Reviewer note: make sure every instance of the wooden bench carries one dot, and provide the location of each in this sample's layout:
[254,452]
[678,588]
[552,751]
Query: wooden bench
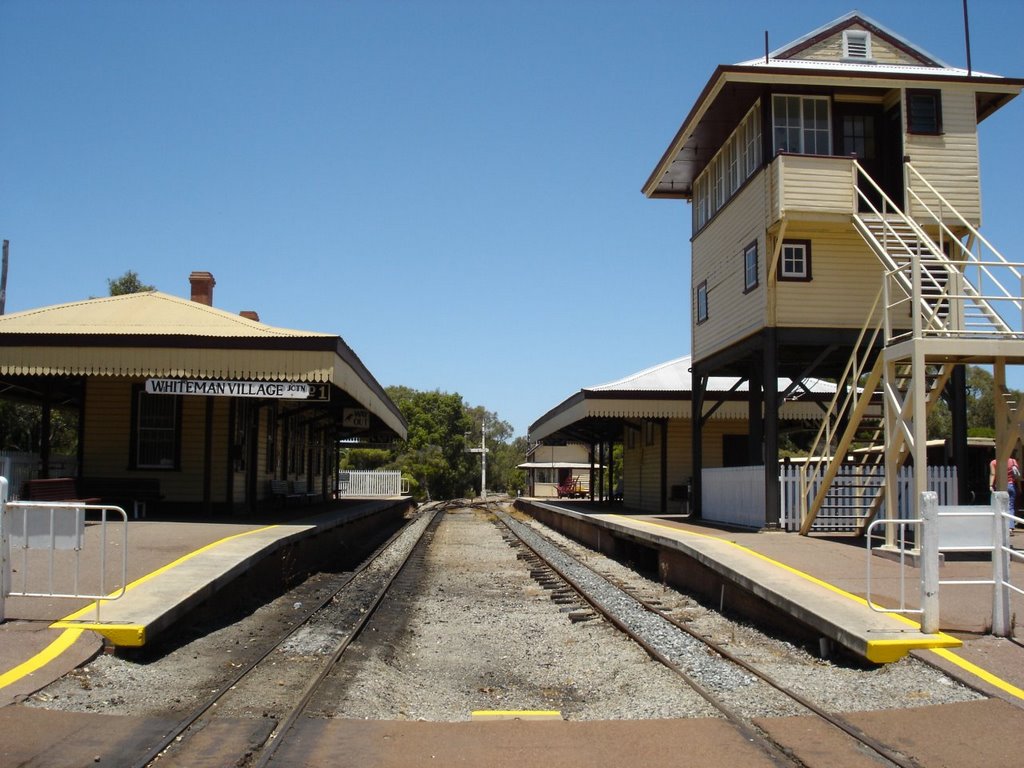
[280,491]
[126,492]
[55,489]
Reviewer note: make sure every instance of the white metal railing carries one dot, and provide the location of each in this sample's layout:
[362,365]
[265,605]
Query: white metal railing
[51,536]
[852,480]
[946,287]
[947,529]
[372,483]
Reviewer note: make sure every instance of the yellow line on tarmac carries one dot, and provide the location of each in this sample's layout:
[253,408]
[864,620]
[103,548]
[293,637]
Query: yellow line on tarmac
[977,671]
[66,639]
[517,714]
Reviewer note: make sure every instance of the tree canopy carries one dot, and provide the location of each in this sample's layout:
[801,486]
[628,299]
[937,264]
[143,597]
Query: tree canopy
[436,457]
[129,282]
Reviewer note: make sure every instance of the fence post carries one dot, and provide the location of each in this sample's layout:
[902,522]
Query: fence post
[929,548]
[5,550]
[1000,564]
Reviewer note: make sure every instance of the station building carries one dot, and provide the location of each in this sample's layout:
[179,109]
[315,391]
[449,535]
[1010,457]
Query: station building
[207,405]
[551,470]
[651,414]
[834,188]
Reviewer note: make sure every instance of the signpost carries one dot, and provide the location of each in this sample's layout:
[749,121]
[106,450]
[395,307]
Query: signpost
[482,450]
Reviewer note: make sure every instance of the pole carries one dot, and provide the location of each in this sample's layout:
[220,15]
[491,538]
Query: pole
[3,276]
[483,462]
[929,547]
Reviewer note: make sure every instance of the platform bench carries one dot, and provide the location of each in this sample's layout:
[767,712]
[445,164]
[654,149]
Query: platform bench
[299,487]
[55,489]
[126,492]
[280,491]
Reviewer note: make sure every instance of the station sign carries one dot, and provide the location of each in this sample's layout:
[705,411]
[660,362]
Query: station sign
[355,418]
[277,390]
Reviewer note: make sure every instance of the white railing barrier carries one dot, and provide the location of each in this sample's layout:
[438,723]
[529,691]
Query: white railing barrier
[954,529]
[354,482]
[54,528]
[941,479]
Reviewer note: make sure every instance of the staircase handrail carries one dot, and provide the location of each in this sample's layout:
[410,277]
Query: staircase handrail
[956,267]
[821,445]
[970,258]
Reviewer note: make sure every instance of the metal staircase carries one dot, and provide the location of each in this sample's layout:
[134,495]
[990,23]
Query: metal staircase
[935,287]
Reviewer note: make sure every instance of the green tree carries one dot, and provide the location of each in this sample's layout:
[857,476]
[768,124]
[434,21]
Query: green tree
[434,454]
[129,282]
[503,460]
[365,458]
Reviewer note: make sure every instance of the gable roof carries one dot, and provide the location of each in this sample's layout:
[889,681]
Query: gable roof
[855,19]
[157,335]
[733,89]
[665,391]
[151,313]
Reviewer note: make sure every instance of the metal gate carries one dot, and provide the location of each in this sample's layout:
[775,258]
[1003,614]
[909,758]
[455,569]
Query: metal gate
[47,540]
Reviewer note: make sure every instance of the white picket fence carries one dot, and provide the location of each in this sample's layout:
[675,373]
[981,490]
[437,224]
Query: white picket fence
[735,495]
[372,483]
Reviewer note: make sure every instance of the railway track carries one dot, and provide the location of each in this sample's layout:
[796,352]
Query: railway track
[711,673]
[363,590]
[696,658]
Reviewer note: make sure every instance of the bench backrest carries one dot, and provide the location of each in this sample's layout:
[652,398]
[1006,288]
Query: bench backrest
[279,487]
[50,489]
[299,486]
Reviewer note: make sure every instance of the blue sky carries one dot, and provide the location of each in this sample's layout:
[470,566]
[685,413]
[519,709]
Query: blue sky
[453,187]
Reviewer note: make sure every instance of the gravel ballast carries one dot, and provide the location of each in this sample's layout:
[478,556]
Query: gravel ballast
[476,631]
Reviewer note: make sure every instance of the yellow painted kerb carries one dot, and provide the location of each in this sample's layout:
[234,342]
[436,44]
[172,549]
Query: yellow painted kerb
[134,635]
[878,651]
[517,714]
[124,635]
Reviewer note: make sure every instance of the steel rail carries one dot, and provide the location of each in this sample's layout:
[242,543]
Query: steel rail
[189,720]
[281,733]
[748,729]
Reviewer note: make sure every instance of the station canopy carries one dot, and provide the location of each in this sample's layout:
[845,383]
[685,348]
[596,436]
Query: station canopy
[665,391]
[157,335]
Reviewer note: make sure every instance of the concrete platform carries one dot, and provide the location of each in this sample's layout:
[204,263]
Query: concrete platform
[818,585]
[173,566]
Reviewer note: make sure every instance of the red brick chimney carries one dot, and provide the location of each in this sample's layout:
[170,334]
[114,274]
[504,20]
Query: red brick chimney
[251,314]
[202,287]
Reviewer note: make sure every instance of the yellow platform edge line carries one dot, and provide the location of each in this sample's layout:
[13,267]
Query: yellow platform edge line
[151,575]
[938,640]
[124,635]
[64,641]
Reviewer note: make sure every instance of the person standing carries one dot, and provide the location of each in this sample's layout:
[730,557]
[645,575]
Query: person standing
[1012,478]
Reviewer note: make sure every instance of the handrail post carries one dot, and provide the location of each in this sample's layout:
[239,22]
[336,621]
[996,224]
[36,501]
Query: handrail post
[1000,564]
[929,562]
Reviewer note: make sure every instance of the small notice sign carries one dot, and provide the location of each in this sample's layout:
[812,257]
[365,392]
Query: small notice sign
[355,418]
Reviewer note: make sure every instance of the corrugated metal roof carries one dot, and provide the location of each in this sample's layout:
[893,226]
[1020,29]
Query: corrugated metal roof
[675,376]
[859,67]
[154,334]
[673,381]
[149,313]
